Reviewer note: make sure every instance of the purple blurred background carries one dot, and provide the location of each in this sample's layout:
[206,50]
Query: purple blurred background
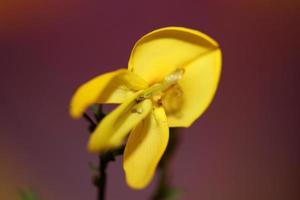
[246,146]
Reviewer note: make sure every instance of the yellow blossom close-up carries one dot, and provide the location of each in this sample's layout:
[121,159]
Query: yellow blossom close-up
[171,79]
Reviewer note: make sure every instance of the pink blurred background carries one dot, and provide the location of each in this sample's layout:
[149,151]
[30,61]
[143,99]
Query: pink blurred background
[246,146]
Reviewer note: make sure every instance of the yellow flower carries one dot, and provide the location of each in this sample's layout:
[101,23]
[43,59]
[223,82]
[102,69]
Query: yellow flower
[172,76]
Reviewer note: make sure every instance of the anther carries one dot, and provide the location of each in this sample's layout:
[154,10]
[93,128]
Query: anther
[174,76]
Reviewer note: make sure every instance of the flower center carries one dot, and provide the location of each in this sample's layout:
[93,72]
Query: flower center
[156,91]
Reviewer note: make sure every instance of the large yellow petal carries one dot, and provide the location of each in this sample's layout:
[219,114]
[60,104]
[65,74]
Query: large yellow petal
[144,149]
[113,129]
[185,102]
[112,87]
[162,51]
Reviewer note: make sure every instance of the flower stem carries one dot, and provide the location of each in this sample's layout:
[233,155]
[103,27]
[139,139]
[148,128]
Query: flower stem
[104,160]
[102,179]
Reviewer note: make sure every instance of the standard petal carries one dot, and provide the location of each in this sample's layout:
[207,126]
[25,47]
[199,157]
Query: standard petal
[185,102]
[144,149]
[162,51]
[112,87]
[113,129]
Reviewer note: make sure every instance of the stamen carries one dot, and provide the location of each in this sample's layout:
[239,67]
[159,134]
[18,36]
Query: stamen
[158,88]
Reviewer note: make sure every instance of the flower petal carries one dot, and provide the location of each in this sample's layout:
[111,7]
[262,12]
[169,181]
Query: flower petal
[144,149]
[195,91]
[112,130]
[112,87]
[164,50]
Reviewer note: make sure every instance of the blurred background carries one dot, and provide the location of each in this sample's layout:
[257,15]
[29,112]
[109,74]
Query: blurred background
[246,146]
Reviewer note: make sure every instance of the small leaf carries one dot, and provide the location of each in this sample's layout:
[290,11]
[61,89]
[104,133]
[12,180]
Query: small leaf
[27,194]
[93,168]
[172,194]
[167,193]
